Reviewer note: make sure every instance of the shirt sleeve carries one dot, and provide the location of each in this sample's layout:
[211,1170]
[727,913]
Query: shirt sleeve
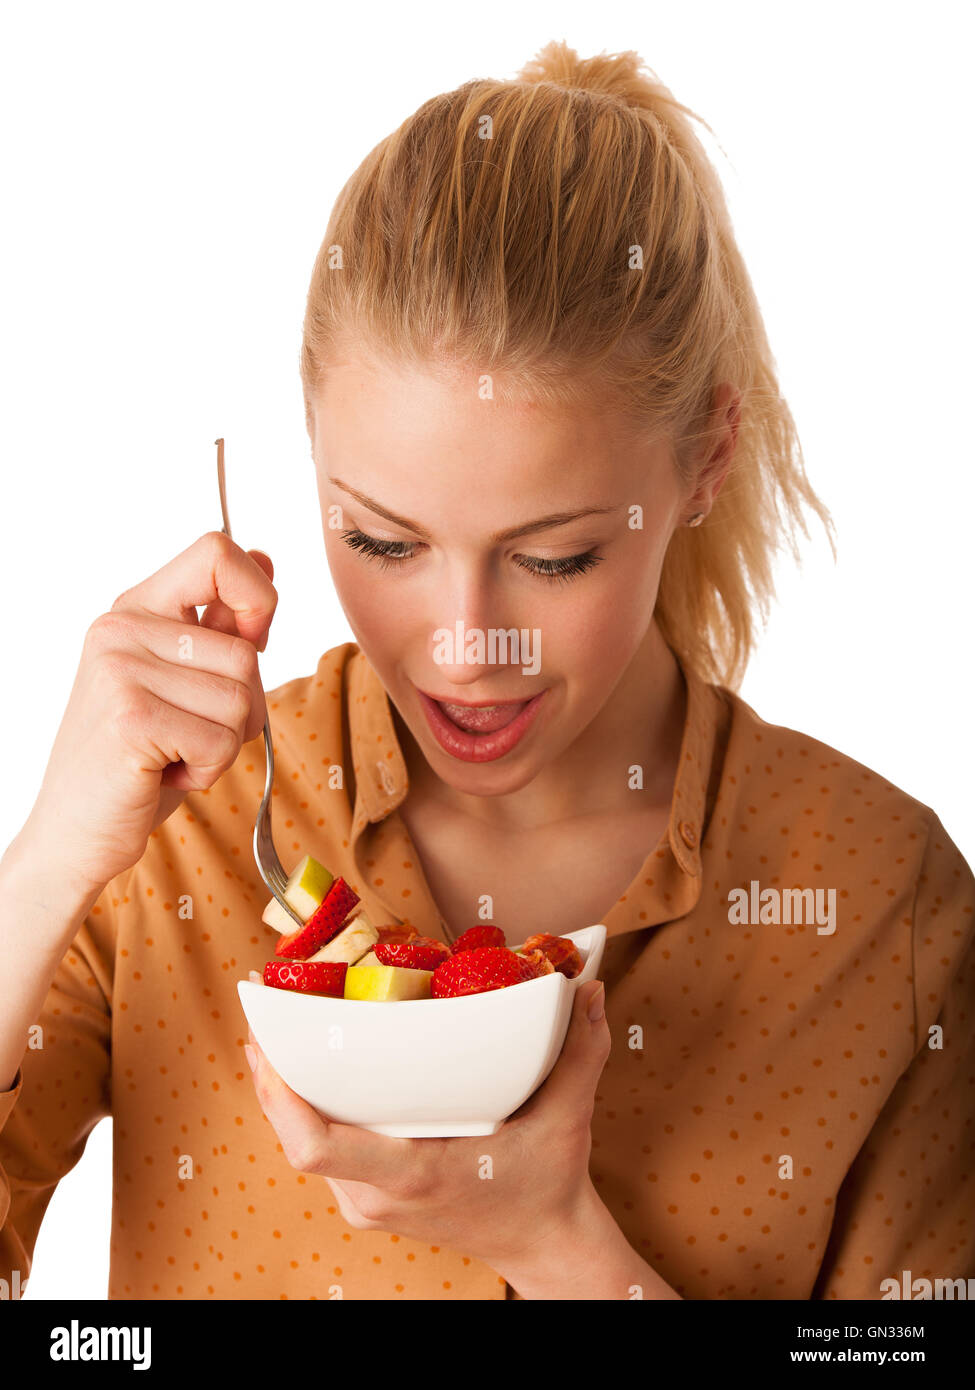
[906,1209]
[62,1087]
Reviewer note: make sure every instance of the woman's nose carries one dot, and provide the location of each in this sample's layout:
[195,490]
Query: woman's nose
[467,590]
[471,627]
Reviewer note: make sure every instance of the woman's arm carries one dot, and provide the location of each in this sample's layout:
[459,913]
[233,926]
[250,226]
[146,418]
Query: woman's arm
[57,1038]
[588,1257]
[39,916]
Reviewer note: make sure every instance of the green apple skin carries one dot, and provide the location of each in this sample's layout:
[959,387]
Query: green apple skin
[307,885]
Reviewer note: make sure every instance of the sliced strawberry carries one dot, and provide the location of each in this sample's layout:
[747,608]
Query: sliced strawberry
[560,951]
[324,923]
[307,976]
[484,968]
[474,937]
[421,953]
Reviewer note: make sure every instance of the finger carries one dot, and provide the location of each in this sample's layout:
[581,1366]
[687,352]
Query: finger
[200,750]
[571,1084]
[264,560]
[195,669]
[212,568]
[219,617]
[216,698]
[340,1151]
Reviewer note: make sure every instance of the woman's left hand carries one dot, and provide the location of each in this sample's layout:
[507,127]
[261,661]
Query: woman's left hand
[493,1197]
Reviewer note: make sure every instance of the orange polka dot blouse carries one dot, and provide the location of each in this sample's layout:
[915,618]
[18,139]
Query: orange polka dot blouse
[788,1111]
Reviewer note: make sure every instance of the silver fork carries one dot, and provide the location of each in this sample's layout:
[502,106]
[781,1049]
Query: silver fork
[268,863]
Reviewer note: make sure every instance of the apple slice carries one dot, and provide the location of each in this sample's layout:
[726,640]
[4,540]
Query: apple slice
[355,938]
[386,983]
[307,886]
[370,958]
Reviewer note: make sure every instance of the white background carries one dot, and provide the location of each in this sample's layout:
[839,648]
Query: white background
[168,173]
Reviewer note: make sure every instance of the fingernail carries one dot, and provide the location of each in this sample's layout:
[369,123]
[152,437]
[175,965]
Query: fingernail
[251,1056]
[597,1004]
[254,976]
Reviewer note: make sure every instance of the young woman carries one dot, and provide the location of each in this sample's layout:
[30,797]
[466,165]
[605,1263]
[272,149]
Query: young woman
[553,465]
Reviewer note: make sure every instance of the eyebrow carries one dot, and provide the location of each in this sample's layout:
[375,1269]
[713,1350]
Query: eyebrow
[543,523]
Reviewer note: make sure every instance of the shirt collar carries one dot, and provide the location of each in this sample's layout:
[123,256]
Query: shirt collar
[381,779]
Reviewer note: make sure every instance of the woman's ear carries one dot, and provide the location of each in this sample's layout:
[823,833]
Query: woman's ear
[727,401]
[725,421]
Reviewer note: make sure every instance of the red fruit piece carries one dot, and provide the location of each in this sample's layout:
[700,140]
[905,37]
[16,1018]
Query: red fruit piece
[307,976]
[420,953]
[325,922]
[396,934]
[541,962]
[484,968]
[475,937]
[560,951]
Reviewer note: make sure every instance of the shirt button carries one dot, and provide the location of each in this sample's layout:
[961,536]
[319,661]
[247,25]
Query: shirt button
[688,834]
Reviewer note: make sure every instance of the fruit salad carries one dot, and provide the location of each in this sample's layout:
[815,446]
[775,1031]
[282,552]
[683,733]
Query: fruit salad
[337,950]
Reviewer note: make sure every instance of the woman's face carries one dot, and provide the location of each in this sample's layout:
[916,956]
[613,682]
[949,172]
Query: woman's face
[457,471]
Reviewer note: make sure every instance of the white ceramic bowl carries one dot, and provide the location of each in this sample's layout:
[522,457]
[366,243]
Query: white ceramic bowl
[420,1068]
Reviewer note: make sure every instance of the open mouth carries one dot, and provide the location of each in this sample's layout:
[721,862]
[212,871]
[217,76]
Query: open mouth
[482,719]
[479,733]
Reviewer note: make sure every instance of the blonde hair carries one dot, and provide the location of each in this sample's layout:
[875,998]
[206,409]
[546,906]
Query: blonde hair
[515,253]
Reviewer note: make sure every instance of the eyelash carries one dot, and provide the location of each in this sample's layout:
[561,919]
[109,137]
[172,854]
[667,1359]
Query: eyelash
[564,568]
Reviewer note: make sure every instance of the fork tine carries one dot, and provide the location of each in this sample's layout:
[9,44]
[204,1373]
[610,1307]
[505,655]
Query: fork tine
[276,877]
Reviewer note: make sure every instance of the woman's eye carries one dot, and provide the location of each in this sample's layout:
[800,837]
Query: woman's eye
[396,552]
[567,567]
[383,551]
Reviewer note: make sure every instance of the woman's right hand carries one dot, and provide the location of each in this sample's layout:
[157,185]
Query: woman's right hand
[161,705]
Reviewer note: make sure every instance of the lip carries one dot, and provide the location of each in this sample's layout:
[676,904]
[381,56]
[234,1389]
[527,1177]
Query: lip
[471,704]
[479,748]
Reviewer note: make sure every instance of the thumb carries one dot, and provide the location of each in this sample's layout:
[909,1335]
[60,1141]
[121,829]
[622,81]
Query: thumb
[571,1084]
[267,565]
[264,561]
[587,1024]
[219,616]
[587,1041]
